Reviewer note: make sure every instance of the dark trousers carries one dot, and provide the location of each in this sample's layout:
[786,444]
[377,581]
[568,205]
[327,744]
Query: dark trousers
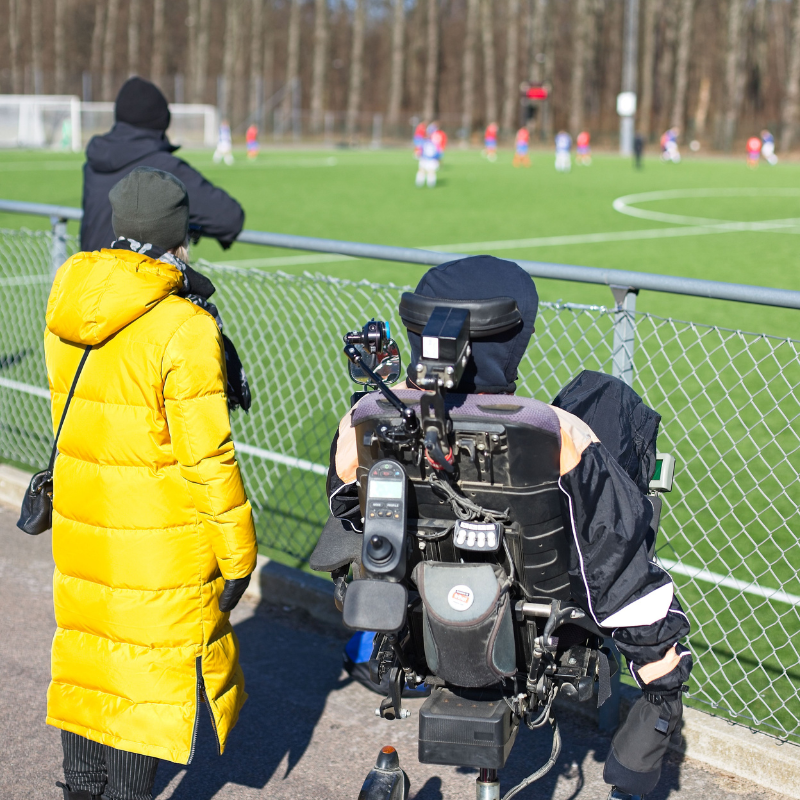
[102,770]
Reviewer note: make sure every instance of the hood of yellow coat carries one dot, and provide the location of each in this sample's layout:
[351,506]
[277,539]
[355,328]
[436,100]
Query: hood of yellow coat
[97,294]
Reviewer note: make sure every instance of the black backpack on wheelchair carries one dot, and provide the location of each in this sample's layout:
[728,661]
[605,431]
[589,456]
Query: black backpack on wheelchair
[462,566]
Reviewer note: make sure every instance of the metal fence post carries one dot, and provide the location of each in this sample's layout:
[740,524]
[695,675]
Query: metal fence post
[621,367]
[624,332]
[58,247]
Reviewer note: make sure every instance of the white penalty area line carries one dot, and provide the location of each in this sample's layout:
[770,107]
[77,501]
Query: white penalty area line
[777,226]
[749,587]
[685,226]
[280,458]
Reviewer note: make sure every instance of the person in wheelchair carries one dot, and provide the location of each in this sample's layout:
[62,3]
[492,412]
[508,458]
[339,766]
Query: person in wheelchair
[603,561]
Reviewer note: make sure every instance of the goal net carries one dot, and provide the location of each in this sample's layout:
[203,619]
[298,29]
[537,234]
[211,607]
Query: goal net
[192,125]
[65,123]
[40,121]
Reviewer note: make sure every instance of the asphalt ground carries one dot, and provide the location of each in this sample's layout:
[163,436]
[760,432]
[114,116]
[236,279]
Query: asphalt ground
[306,731]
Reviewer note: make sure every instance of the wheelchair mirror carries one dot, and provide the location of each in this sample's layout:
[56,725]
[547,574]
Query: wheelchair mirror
[386,364]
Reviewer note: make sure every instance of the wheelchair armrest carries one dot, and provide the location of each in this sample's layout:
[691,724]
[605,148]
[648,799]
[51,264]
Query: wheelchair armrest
[337,547]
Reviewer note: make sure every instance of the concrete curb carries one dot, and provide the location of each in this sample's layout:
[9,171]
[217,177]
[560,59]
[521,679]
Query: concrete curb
[13,483]
[281,585]
[735,749]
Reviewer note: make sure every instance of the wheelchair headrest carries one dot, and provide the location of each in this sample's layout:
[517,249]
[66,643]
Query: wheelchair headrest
[487,317]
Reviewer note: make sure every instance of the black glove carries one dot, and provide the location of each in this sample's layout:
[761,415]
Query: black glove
[232,593]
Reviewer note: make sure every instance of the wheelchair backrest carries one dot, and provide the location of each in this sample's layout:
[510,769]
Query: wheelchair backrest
[507,455]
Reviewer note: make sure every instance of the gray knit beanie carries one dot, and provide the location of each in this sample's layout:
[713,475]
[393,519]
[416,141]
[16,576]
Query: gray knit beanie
[149,205]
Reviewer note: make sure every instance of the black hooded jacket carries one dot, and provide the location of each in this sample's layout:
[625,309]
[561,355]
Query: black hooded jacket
[109,158]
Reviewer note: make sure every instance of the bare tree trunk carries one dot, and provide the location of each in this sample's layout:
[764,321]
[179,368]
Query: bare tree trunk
[468,85]
[239,91]
[761,53]
[577,87]
[781,38]
[538,36]
[231,42]
[134,21]
[733,69]
[432,62]
[356,70]
[193,12]
[792,97]
[36,45]
[489,67]
[159,43]
[398,52]
[666,64]
[549,68]
[13,45]
[269,53]
[257,61]
[203,23]
[293,58]
[511,100]
[98,30]
[110,49]
[678,116]
[703,102]
[320,63]
[648,68]
[60,45]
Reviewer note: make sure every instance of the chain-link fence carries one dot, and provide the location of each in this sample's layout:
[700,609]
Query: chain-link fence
[730,403]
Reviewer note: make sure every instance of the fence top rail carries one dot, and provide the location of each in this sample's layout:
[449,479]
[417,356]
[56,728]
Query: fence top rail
[671,284]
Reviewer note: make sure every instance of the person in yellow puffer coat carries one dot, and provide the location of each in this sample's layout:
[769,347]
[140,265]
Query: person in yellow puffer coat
[152,530]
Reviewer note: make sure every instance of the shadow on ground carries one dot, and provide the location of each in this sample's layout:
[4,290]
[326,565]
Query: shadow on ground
[289,674]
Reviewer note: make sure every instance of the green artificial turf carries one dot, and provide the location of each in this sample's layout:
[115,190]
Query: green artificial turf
[370,196]
[729,401]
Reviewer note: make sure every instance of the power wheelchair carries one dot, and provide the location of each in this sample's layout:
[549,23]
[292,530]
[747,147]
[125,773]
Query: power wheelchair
[462,564]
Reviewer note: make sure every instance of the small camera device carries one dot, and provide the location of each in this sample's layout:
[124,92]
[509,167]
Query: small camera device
[446,328]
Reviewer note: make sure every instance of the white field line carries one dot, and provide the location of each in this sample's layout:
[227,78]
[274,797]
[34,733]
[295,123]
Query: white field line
[750,587]
[330,161]
[26,388]
[25,280]
[279,458]
[689,226]
[778,226]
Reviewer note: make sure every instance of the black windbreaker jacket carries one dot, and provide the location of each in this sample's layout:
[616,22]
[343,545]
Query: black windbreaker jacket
[109,158]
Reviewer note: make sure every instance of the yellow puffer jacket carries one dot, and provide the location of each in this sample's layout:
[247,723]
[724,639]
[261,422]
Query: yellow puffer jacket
[150,515]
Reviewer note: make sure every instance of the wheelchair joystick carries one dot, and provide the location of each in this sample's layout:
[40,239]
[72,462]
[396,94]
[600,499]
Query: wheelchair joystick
[379,549]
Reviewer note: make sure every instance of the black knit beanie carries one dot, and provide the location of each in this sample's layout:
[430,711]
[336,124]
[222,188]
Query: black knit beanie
[141,104]
[149,205]
[492,367]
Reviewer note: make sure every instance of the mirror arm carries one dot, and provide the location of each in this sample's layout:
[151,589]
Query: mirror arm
[409,417]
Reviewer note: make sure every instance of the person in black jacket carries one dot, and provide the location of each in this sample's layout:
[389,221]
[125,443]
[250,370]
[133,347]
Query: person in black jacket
[138,139]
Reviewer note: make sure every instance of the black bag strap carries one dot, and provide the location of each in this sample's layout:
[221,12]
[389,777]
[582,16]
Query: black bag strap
[66,407]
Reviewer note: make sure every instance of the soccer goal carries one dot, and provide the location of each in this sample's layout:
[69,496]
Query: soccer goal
[192,125]
[40,121]
[63,122]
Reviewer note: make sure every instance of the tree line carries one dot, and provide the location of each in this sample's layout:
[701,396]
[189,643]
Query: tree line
[717,69]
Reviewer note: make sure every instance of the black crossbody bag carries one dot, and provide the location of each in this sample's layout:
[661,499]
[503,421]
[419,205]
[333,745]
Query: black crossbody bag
[36,515]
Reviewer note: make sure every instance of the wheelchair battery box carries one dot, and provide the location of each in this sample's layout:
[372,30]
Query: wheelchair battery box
[456,730]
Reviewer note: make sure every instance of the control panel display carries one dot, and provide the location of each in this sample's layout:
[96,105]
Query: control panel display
[385,543]
[385,489]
